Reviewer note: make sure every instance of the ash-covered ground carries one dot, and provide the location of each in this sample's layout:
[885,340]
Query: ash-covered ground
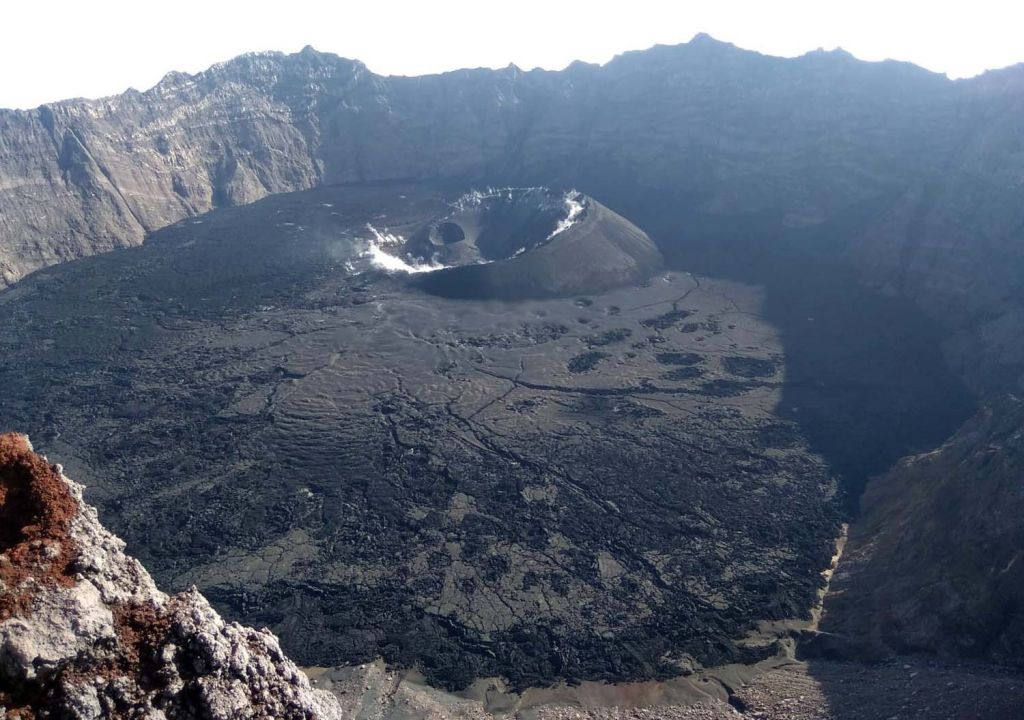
[609,478]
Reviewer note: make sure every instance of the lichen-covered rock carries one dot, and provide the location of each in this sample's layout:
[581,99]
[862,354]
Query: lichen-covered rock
[85,633]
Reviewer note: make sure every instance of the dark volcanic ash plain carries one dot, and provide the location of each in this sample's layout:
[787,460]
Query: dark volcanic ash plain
[605,485]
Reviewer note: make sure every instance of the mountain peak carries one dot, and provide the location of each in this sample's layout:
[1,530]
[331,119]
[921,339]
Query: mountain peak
[706,40]
[836,52]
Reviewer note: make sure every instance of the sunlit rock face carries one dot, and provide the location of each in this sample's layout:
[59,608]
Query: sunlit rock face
[86,634]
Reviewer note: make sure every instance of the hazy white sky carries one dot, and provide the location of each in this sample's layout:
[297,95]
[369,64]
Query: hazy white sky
[66,48]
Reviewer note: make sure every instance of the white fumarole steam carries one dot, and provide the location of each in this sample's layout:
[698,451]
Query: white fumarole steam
[380,258]
[573,209]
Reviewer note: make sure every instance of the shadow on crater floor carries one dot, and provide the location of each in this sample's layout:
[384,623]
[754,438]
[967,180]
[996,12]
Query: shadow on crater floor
[865,375]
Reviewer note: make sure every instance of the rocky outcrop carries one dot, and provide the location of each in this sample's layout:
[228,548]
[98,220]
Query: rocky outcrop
[936,564]
[85,633]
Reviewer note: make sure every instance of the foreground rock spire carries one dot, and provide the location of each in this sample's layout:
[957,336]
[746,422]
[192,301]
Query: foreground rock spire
[85,633]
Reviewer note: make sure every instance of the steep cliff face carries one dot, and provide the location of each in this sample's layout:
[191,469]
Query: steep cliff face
[937,564]
[84,632]
[915,179]
[83,176]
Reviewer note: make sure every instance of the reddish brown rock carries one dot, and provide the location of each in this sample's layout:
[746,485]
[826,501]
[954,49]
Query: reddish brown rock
[84,632]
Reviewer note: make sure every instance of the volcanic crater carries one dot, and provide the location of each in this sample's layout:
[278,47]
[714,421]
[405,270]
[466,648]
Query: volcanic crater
[571,462]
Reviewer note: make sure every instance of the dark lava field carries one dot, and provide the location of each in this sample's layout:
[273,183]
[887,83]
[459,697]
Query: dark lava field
[567,457]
